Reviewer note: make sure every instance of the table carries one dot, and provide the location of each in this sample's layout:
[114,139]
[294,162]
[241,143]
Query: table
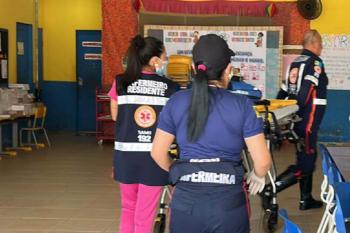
[3,120]
[341,158]
[15,131]
[13,120]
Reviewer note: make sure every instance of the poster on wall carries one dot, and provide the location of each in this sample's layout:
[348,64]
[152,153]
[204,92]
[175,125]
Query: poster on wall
[4,69]
[92,44]
[336,57]
[20,48]
[250,58]
[92,56]
[249,46]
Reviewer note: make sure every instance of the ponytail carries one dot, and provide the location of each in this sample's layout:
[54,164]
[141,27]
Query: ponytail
[211,55]
[199,106]
[200,100]
[140,51]
[134,66]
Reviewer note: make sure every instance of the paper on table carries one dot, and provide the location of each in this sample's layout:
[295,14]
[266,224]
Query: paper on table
[20,48]
[4,69]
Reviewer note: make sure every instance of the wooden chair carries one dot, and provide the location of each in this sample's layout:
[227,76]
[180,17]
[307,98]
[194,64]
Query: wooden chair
[181,59]
[179,68]
[37,126]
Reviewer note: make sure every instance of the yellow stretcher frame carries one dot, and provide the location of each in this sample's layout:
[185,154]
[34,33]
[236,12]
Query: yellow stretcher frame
[274,104]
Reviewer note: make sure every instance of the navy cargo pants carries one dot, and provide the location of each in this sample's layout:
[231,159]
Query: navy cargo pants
[197,208]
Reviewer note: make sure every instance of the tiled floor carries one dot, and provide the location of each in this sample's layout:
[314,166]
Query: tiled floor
[68,189]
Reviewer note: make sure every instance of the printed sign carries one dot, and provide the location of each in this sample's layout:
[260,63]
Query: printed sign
[250,58]
[94,44]
[336,57]
[249,47]
[20,48]
[93,56]
[4,69]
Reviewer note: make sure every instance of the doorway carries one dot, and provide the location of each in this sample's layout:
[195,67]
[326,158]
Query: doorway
[89,49]
[24,43]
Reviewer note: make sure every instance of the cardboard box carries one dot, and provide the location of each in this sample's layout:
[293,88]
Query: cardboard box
[25,87]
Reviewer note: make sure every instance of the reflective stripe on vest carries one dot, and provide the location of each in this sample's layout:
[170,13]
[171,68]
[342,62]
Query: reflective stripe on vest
[312,79]
[133,146]
[319,101]
[300,76]
[142,100]
[287,75]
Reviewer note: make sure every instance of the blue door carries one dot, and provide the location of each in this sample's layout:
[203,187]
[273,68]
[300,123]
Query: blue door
[40,54]
[24,43]
[88,44]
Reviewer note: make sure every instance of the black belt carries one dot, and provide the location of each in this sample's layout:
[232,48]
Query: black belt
[213,171]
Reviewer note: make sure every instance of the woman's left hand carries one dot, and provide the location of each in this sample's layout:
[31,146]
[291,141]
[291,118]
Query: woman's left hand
[256,183]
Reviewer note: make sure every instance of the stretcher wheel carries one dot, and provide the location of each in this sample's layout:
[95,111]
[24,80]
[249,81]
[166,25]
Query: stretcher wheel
[40,145]
[11,153]
[270,219]
[159,225]
[26,148]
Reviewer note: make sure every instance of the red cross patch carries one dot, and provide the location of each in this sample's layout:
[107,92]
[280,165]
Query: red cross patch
[145,116]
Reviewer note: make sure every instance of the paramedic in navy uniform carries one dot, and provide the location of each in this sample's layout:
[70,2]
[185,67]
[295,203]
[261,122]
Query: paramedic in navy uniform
[306,82]
[137,97]
[211,126]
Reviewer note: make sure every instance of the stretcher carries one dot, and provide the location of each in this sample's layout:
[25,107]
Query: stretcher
[160,221]
[279,118]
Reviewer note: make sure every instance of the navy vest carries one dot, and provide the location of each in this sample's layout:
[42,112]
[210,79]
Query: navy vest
[138,110]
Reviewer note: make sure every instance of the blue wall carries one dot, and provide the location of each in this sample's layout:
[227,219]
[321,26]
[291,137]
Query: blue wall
[336,123]
[61,101]
[7,132]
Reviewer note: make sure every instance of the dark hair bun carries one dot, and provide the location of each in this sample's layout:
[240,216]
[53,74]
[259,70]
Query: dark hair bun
[139,42]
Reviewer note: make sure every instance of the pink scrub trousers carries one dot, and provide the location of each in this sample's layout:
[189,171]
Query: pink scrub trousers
[139,204]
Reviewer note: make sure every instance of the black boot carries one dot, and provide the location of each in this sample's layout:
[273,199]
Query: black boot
[283,181]
[306,199]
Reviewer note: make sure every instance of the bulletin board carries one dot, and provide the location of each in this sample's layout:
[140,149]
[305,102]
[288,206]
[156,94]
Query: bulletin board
[3,56]
[258,49]
[336,58]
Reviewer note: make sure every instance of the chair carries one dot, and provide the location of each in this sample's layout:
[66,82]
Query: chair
[334,178]
[326,162]
[37,126]
[179,68]
[342,211]
[327,195]
[289,226]
[181,59]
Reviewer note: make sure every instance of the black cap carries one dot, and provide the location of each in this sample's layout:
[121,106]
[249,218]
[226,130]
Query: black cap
[212,51]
